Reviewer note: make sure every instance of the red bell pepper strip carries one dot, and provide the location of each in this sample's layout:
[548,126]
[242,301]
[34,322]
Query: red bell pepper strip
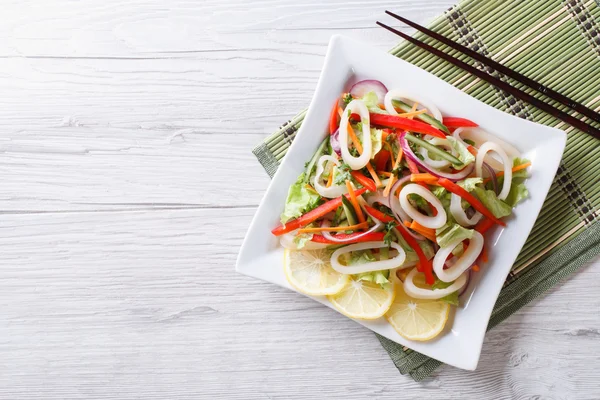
[455,122]
[313,215]
[394,121]
[363,180]
[333,118]
[484,225]
[370,237]
[424,264]
[381,160]
[454,188]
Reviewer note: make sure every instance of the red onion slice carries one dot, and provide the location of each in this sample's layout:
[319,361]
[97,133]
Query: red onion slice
[493,177]
[326,223]
[462,174]
[334,140]
[363,87]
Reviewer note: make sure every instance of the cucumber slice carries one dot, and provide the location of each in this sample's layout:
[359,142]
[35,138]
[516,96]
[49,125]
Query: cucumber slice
[349,211]
[423,117]
[434,149]
[311,164]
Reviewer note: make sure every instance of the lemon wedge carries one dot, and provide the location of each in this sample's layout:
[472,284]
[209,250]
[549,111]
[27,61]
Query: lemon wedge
[417,319]
[363,300]
[310,272]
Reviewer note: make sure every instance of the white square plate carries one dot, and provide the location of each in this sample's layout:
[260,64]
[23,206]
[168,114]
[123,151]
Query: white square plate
[348,61]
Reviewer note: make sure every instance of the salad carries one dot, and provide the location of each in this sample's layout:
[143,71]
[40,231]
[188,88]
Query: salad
[389,217]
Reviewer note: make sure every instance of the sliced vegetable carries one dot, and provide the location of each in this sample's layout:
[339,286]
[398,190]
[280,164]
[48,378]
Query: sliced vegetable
[313,215]
[427,232]
[356,237]
[363,180]
[434,149]
[491,202]
[299,200]
[454,188]
[349,211]
[462,152]
[362,225]
[354,202]
[394,121]
[423,117]
[423,177]
[333,118]
[361,88]
[455,122]
[411,156]
[484,225]
[311,164]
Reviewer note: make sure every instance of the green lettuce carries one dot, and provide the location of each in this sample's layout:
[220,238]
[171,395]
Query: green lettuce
[299,200]
[452,298]
[379,277]
[376,138]
[372,102]
[462,153]
[447,234]
[518,191]
[470,184]
[361,257]
[302,239]
[489,199]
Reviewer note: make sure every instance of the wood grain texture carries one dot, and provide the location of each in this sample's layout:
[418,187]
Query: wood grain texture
[121,223]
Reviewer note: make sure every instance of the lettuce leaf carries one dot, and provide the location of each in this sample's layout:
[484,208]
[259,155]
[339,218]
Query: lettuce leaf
[518,191]
[376,138]
[372,102]
[380,277]
[299,200]
[470,184]
[452,298]
[489,199]
[446,234]
[361,257]
[302,239]
[462,153]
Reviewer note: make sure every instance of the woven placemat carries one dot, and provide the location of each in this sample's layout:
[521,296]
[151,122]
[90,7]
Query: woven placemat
[558,44]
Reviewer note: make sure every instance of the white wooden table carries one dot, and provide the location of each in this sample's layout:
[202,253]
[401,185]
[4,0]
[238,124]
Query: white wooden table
[128,185]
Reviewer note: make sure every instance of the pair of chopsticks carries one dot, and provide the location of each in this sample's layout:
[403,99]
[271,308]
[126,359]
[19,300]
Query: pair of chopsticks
[518,93]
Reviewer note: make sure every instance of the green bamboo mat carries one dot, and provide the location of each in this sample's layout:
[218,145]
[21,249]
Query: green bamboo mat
[552,41]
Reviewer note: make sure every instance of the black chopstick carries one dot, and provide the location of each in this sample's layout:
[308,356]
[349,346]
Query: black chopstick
[589,129]
[554,95]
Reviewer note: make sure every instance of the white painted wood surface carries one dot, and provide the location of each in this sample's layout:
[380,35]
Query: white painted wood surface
[128,185]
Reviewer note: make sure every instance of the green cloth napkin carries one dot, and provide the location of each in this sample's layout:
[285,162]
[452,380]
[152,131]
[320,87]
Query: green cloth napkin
[558,44]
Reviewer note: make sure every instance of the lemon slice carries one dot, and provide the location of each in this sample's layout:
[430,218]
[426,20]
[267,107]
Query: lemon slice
[310,272]
[417,319]
[363,300]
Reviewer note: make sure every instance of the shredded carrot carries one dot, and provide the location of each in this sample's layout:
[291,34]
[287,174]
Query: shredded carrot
[472,150]
[398,159]
[414,108]
[475,268]
[407,224]
[412,113]
[330,180]
[514,169]
[340,111]
[484,255]
[357,209]
[362,225]
[384,173]
[386,191]
[354,139]
[427,232]
[373,174]
[381,106]
[423,177]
